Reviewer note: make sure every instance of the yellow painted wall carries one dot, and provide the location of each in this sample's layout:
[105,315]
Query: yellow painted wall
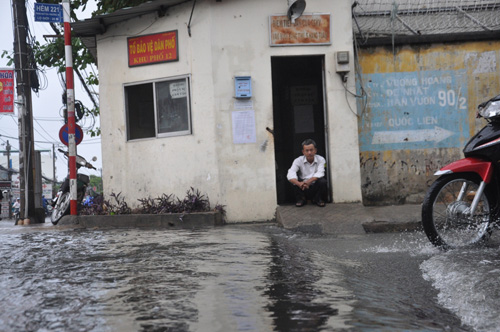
[414,93]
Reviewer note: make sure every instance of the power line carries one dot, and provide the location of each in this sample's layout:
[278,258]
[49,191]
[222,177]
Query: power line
[43,130]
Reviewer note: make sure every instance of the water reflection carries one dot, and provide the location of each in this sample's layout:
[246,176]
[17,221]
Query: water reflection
[292,277]
[223,279]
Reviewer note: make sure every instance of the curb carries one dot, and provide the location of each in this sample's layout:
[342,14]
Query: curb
[350,218]
[174,220]
[392,227]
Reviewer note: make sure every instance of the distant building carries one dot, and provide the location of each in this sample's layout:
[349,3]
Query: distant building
[12,186]
[4,173]
[46,160]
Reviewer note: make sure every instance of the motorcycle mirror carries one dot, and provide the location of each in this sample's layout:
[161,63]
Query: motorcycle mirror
[94,158]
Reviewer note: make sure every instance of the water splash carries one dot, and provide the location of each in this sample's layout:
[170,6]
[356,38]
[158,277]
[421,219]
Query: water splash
[468,282]
[415,244]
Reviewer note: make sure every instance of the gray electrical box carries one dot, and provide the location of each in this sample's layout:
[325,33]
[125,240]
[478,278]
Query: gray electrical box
[342,62]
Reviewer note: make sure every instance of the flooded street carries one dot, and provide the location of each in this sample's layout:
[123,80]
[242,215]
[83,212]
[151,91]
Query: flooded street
[241,278]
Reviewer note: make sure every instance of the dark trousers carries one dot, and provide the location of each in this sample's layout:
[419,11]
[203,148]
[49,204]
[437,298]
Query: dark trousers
[316,192]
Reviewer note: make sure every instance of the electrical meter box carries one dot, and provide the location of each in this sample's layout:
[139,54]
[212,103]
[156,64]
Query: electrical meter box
[342,61]
[242,86]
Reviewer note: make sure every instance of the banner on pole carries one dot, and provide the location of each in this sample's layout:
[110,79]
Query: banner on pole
[6,90]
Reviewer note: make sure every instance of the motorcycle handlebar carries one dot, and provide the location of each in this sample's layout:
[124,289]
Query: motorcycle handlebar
[87,164]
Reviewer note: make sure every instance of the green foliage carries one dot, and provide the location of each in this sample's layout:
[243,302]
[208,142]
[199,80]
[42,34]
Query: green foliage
[96,182]
[51,54]
[164,204]
[109,6]
[8,55]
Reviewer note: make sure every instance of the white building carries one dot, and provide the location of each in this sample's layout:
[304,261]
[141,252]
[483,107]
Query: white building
[218,95]
[47,163]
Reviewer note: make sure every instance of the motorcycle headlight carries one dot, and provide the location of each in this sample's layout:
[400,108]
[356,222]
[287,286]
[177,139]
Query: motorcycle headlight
[491,110]
[80,160]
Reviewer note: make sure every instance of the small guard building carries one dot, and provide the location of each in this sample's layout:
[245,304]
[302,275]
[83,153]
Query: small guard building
[218,95]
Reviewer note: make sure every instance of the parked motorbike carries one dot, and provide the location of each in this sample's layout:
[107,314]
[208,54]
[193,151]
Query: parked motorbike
[462,205]
[15,214]
[48,210]
[61,203]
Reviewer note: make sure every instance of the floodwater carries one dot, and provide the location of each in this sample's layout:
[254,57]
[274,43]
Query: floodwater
[240,278]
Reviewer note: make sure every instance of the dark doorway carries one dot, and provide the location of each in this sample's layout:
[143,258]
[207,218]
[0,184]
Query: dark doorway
[298,113]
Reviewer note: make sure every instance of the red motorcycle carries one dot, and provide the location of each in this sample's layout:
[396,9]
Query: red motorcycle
[461,206]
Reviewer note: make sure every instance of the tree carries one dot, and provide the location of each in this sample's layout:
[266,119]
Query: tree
[51,54]
[95,182]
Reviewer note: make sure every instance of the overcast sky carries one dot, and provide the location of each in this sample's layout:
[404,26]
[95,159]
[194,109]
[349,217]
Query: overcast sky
[47,104]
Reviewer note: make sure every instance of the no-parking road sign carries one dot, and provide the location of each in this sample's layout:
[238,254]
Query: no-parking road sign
[63,134]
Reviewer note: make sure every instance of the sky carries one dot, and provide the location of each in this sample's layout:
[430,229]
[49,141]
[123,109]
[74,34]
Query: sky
[47,104]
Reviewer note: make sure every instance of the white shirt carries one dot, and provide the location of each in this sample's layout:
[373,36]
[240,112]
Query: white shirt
[302,169]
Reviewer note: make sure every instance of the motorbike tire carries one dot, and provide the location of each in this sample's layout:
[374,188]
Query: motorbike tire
[61,208]
[444,217]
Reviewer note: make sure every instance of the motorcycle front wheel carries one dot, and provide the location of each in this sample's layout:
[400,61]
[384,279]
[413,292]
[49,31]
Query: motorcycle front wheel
[61,208]
[446,216]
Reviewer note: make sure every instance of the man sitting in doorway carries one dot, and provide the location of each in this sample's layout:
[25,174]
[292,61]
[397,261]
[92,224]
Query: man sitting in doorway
[307,175]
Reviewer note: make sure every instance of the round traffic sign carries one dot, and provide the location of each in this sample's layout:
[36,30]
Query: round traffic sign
[63,134]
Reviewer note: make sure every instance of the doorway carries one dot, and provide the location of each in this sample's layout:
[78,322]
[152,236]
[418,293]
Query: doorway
[298,114]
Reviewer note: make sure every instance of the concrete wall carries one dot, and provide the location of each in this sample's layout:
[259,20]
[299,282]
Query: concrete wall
[420,113]
[229,38]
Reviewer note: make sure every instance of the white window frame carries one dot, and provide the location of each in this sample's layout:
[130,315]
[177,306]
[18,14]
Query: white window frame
[188,131]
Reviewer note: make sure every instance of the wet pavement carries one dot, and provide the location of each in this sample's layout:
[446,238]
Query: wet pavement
[232,278]
[321,272]
[350,218]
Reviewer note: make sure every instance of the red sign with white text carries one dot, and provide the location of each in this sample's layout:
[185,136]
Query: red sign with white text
[6,91]
[154,48]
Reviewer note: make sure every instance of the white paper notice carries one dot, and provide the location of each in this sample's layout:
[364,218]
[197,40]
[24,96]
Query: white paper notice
[178,90]
[244,127]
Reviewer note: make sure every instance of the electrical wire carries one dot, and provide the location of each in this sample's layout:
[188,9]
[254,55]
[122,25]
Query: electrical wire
[87,124]
[36,121]
[357,69]
[30,43]
[155,19]
[11,137]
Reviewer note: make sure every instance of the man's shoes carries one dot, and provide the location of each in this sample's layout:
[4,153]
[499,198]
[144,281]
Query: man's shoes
[300,203]
[320,203]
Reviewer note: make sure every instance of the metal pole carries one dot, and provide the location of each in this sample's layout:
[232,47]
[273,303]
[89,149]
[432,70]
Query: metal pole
[53,170]
[70,93]
[9,178]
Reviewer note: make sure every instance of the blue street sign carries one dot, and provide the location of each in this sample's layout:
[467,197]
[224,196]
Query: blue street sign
[50,13]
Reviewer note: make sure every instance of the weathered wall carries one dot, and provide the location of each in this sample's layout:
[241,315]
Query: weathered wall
[419,113]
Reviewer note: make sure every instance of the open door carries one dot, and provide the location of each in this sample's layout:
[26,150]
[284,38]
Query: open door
[298,113]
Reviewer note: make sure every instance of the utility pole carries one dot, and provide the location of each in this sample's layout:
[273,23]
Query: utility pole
[70,93]
[9,178]
[23,87]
